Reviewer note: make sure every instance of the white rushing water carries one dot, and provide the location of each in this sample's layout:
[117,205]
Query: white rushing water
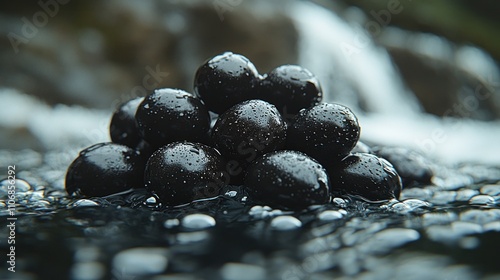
[338,53]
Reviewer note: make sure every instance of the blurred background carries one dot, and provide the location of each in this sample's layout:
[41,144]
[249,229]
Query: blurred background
[419,74]
[422,74]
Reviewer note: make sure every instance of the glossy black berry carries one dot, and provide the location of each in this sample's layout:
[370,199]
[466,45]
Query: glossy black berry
[105,169]
[249,129]
[287,179]
[226,80]
[169,115]
[413,167]
[326,132]
[367,176]
[291,88]
[182,172]
[123,128]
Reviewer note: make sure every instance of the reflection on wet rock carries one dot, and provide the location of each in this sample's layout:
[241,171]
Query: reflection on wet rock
[446,227]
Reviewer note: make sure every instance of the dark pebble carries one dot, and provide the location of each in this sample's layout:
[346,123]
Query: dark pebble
[367,176]
[169,115]
[123,128]
[291,88]
[105,169]
[182,172]
[287,179]
[249,129]
[326,132]
[413,167]
[226,80]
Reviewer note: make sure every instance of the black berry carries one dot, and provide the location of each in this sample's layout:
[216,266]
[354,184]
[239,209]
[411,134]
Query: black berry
[181,172]
[413,167]
[291,88]
[249,129]
[226,80]
[287,179]
[169,115]
[105,169]
[367,176]
[123,128]
[326,132]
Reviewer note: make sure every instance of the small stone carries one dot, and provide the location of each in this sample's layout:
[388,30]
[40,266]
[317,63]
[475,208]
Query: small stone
[85,203]
[418,193]
[414,204]
[482,200]
[443,197]
[453,232]
[492,190]
[198,221]
[438,218]
[493,226]
[388,239]
[465,228]
[139,262]
[170,223]
[464,195]
[241,271]
[480,216]
[283,223]
[330,215]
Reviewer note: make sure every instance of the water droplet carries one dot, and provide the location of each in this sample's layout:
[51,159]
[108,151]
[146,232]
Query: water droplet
[231,193]
[151,201]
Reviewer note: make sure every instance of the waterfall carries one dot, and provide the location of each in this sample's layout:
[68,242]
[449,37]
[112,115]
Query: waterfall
[354,70]
[344,57]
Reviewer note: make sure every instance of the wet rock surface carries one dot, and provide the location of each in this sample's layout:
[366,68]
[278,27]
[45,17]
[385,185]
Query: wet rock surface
[450,227]
[444,227]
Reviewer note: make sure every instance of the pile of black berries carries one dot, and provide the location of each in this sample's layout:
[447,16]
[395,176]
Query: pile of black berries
[269,133]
